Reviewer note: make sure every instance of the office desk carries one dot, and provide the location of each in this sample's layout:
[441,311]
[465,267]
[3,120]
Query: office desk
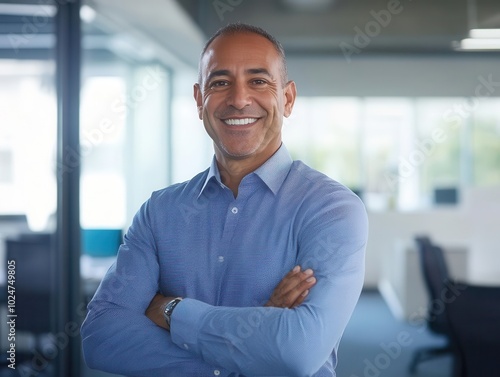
[402,284]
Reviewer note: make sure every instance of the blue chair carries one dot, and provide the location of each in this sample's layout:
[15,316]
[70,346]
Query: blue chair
[101,242]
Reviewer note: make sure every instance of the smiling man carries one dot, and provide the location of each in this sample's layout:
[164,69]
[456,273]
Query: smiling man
[251,268]
[242,96]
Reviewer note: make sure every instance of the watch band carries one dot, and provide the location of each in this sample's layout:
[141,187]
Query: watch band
[169,309]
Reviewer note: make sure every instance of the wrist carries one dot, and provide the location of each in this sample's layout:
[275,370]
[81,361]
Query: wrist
[168,310]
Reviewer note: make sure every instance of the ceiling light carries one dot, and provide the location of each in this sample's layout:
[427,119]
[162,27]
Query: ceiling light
[480,40]
[87,14]
[480,44]
[485,33]
[308,5]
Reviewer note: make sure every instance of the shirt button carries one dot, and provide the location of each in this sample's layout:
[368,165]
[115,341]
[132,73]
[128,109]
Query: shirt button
[216,372]
[220,259]
[234,210]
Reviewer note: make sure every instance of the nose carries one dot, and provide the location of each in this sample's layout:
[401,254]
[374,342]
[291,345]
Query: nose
[239,96]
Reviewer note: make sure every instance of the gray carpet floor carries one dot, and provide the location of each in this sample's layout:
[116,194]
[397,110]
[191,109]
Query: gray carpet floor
[375,344]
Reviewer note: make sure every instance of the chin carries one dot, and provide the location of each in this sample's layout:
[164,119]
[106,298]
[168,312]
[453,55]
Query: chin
[237,151]
[238,155]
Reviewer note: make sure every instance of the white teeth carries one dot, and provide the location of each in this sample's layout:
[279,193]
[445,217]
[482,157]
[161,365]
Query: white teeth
[240,122]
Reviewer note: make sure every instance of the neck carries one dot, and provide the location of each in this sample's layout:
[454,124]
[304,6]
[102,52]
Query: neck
[232,170]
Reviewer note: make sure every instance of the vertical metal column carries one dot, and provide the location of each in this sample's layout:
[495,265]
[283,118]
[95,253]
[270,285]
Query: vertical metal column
[68,293]
[169,125]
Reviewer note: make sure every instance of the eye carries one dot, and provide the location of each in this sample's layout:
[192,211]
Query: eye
[218,84]
[259,82]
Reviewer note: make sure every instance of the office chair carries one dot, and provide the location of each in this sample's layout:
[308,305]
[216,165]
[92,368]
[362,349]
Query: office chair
[32,254]
[474,321]
[436,276]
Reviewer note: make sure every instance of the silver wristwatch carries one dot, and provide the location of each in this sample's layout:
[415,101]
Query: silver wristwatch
[169,309]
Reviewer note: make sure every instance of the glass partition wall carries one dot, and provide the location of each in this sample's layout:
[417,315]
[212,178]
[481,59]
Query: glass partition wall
[124,138]
[30,333]
[50,184]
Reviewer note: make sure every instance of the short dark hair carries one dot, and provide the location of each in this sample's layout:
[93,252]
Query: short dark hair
[236,28]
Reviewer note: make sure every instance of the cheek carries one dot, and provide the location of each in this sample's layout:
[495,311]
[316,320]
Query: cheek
[212,105]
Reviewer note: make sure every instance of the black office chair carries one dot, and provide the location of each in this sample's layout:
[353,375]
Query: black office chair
[32,254]
[474,321]
[436,276]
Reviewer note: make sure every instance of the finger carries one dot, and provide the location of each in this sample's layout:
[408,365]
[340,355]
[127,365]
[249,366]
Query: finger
[300,299]
[298,294]
[292,279]
[286,283]
[288,299]
[305,293]
[295,282]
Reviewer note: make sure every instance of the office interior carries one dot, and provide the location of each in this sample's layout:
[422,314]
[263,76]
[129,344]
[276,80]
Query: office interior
[398,100]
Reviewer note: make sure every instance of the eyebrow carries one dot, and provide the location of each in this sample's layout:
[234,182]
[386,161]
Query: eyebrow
[259,71]
[226,72]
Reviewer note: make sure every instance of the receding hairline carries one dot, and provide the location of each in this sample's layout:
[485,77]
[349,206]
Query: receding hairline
[240,28]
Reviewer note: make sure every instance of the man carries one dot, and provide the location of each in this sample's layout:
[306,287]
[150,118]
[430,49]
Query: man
[251,268]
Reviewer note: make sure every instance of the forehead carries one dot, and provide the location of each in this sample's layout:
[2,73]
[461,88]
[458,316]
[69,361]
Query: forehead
[241,50]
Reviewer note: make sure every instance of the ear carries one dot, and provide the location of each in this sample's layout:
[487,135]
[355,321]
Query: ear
[290,94]
[198,97]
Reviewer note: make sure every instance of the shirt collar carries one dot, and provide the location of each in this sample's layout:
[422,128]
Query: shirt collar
[273,172]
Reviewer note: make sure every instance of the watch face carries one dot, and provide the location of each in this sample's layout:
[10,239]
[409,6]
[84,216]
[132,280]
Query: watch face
[167,313]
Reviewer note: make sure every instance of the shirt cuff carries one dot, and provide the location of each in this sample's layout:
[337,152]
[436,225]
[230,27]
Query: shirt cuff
[185,324]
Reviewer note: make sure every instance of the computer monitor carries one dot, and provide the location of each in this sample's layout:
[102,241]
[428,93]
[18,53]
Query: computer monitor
[446,195]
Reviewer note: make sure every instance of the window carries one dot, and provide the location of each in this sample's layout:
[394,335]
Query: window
[102,139]
[28,141]
[486,144]
[399,153]
[325,134]
[440,144]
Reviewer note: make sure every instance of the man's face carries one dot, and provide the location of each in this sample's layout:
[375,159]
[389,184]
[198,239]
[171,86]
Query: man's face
[241,98]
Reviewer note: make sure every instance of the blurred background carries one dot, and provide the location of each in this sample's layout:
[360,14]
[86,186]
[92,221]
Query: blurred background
[398,100]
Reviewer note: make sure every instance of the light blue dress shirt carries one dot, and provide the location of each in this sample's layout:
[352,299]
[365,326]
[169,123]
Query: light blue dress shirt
[225,256]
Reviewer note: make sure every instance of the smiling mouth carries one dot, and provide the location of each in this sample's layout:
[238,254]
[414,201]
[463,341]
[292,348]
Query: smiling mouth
[240,121]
